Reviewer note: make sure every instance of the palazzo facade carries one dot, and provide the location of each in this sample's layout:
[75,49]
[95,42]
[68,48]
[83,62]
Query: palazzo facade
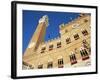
[71,49]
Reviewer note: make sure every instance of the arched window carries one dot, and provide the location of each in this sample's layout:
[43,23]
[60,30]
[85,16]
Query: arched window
[60,63]
[43,49]
[50,65]
[76,36]
[85,20]
[85,32]
[50,47]
[58,44]
[40,66]
[31,67]
[73,59]
[66,31]
[68,40]
[84,54]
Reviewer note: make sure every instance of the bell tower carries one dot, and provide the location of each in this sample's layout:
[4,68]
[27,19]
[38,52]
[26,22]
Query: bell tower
[38,36]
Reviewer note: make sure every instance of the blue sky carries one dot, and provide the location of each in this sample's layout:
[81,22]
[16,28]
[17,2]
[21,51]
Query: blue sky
[30,22]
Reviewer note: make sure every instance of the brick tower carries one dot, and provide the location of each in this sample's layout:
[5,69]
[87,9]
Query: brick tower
[38,36]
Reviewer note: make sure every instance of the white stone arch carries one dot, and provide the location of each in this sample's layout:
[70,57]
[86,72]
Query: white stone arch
[81,48]
[59,57]
[39,63]
[50,60]
[71,53]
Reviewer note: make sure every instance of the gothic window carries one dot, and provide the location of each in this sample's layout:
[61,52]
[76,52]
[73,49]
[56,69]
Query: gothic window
[84,54]
[31,67]
[85,44]
[73,59]
[84,41]
[58,44]
[43,49]
[50,65]
[76,36]
[84,32]
[24,63]
[85,20]
[40,66]
[68,40]
[60,63]
[66,31]
[50,47]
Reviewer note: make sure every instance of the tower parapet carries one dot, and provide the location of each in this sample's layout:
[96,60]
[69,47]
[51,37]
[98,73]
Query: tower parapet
[45,20]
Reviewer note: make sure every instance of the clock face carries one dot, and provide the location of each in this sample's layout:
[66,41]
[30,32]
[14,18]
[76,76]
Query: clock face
[75,25]
[31,45]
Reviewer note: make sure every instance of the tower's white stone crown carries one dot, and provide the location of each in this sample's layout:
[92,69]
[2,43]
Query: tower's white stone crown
[45,20]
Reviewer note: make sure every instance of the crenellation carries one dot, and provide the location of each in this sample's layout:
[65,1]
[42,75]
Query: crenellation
[72,52]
